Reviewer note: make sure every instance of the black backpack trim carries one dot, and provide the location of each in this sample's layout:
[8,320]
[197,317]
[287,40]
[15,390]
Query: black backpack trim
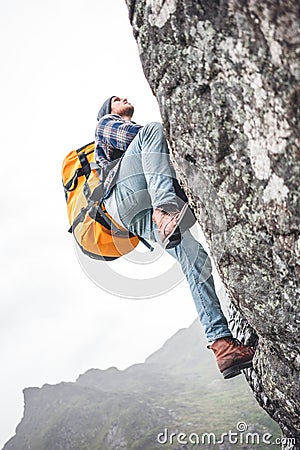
[95,212]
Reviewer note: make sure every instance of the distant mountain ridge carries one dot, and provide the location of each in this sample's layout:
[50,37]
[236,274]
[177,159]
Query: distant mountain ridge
[177,387]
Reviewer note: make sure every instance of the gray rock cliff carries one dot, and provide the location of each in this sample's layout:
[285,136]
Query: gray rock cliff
[226,77]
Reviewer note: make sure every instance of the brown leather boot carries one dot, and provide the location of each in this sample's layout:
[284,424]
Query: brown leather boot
[232,356]
[168,219]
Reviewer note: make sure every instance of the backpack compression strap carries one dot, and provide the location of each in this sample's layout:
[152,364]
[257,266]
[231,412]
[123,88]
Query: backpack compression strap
[96,213]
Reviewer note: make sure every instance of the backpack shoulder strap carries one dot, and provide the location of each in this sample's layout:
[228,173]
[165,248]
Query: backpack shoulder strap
[84,164]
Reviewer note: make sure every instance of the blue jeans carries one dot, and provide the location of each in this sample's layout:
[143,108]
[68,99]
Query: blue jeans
[144,182]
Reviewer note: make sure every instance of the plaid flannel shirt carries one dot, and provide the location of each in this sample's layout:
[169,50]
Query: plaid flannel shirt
[112,138]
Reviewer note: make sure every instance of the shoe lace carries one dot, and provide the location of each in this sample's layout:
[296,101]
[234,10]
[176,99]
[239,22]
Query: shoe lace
[238,343]
[170,211]
[235,342]
[171,214]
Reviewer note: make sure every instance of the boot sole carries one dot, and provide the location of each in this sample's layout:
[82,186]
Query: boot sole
[174,238]
[235,370]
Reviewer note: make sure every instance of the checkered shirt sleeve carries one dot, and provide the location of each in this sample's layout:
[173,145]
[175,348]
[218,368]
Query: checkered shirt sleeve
[113,133]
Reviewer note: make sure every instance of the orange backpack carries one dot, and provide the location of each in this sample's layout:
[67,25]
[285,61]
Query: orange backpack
[96,233]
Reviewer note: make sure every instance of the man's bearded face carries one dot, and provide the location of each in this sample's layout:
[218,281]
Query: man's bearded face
[121,107]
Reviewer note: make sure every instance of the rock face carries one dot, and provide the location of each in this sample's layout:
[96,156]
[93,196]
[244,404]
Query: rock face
[226,76]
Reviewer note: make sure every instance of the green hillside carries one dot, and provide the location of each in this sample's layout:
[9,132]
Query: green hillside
[178,388]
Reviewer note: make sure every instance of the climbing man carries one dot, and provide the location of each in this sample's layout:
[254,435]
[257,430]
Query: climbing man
[143,196]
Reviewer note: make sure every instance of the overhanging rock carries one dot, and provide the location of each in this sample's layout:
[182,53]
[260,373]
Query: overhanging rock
[226,77]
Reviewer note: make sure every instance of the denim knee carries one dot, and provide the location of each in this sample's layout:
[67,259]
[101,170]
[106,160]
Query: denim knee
[153,127]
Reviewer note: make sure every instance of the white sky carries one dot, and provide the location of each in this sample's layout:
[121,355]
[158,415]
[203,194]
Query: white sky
[60,61]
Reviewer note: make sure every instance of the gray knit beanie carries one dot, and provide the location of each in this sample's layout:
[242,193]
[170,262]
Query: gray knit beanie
[105,108]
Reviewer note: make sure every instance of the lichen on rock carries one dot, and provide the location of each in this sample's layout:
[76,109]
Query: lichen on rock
[226,77]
